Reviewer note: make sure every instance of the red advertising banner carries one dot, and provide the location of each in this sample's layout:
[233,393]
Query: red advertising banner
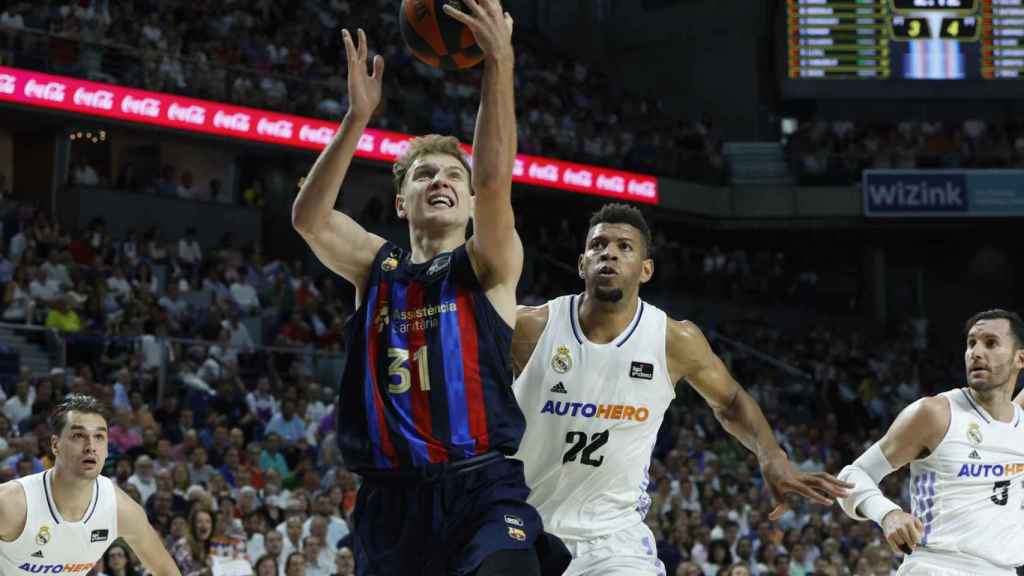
[97,99]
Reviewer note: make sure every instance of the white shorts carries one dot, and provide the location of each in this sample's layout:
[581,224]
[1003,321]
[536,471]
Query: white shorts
[629,552]
[926,563]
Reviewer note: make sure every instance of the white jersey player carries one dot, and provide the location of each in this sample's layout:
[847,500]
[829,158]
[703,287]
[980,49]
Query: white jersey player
[965,448]
[596,373]
[61,521]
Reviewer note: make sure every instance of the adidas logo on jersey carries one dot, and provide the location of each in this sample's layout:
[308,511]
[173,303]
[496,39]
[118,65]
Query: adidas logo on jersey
[974,455]
[38,554]
[559,389]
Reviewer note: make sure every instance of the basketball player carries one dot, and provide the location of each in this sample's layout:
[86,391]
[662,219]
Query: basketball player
[596,373]
[965,448]
[62,520]
[427,415]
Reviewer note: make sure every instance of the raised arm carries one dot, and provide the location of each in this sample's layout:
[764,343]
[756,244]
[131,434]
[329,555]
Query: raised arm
[917,430]
[133,526]
[495,247]
[337,240]
[690,357]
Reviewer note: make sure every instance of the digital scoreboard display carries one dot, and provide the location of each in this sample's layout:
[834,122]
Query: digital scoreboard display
[900,48]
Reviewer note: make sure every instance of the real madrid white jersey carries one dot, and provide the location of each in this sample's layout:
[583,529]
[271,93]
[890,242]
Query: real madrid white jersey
[49,544]
[592,416]
[969,492]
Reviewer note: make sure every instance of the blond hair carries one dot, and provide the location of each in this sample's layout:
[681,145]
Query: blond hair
[422,146]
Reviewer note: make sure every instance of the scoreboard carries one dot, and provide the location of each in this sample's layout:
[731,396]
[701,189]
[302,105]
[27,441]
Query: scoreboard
[963,48]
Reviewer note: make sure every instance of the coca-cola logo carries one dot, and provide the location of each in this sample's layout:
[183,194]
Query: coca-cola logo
[611,183]
[643,188]
[148,107]
[367,143]
[278,129]
[545,172]
[49,91]
[582,178]
[321,135]
[394,148]
[8,84]
[237,122]
[188,114]
[101,99]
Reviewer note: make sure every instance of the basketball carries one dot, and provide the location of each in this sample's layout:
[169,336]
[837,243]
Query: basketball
[436,38]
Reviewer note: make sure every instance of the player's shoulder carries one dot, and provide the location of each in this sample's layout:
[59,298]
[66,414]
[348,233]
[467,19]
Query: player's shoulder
[684,334]
[928,412]
[13,510]
[531,320]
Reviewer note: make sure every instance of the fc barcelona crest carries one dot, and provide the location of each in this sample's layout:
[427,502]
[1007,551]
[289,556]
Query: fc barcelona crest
[389,264]
[43,536]
[562,360]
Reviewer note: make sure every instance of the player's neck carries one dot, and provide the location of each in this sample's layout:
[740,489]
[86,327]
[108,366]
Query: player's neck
[71,495]
[603,322]
[997,402]
[427,244]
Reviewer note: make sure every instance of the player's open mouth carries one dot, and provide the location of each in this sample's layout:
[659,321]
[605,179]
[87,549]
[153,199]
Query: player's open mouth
[607,271]
[440,201]
[89,461]
[978,371]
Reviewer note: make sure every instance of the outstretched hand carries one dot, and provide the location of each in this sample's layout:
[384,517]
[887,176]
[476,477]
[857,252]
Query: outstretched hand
[364,89]
[782,478]
[491,26]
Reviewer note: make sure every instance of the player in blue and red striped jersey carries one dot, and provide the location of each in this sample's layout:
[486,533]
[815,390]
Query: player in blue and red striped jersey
[426,414]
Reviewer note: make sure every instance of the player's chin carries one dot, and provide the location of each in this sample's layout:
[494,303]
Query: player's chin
[608,293]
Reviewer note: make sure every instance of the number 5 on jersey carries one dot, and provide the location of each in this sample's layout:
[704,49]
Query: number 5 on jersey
[400,368]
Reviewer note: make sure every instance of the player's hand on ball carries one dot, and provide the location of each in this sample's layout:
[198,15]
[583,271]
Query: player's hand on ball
[783,478]
[491,26]
[902,531]
[364,89]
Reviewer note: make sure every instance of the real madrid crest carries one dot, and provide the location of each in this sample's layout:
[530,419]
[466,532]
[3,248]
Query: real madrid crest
[43,536]
[974,433]
[562,360]
[390,263]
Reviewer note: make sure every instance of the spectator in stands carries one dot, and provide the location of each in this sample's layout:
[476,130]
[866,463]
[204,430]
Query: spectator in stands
[191,552]
[244,294]
[344,562]
[44,290]
[271,458]
[144,478]
[190,253]
[18,408]
[19,305]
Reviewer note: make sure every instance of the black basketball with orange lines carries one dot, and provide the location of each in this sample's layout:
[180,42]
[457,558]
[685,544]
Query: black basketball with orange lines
[436,38]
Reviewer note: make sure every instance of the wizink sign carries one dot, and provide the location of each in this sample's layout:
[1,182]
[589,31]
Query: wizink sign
[943,193]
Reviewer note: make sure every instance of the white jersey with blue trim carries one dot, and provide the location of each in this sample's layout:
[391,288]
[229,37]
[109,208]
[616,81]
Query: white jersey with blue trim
[969,492]
[592,416]
[49,544]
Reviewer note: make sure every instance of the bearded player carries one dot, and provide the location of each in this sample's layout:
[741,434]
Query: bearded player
[596,373]
[965,448]
[62,520]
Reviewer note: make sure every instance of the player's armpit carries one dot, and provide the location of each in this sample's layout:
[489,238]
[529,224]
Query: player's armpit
[530,324]
[916,431]
[1020,398]
[345,247]
[134,527]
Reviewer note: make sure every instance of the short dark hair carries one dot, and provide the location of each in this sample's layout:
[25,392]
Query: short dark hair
[1016,323]
[77,403]
[619,213]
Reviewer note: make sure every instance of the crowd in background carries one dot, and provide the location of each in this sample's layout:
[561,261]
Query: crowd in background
[287,56]
[837,152]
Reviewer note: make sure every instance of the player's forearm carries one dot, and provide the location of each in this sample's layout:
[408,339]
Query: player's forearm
[495,140]
[745,421]
[319,192]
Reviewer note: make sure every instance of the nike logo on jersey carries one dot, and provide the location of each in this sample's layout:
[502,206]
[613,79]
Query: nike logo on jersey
[606,411]
[559,389]
[986,470]
[974,455]
[641,370]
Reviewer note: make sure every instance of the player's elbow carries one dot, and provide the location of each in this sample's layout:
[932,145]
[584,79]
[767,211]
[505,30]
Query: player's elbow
[304,220]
